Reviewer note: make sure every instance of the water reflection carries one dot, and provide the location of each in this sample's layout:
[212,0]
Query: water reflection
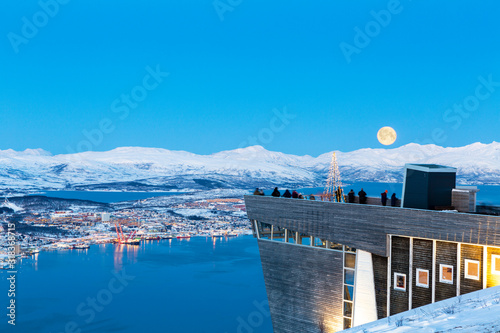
[122,250]
[35,258]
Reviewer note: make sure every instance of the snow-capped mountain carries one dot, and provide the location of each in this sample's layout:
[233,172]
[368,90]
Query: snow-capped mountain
[161,169]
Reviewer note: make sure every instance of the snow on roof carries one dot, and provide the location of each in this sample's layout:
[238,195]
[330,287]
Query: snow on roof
[474,312]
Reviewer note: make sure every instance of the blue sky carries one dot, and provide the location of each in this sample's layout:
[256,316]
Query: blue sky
[234,67]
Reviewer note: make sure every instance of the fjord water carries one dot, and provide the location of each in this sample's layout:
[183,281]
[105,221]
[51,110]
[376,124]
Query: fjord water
[105,196]
[196,285]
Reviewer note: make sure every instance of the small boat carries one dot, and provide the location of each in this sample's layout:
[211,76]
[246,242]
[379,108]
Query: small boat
[134,241]
[167,236]
[81,246]
[150,237]
[232,234]
[217,235]
[183,236]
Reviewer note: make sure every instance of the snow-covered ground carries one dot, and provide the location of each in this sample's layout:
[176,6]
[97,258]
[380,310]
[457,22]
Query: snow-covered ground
[199,212]
[35,169]
[474,312]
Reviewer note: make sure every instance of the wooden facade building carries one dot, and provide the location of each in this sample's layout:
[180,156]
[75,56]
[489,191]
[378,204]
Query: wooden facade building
[330,266]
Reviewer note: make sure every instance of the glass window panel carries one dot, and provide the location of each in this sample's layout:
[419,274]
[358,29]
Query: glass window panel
[446,274]
[336,246]
[495,264]
[349,277]
[350,249]
[350,260]
[347,309]
[264,230]
[348,293]
[400,281]
[422,278]
[319,242]
[472,269]
[306,240]
[347,323]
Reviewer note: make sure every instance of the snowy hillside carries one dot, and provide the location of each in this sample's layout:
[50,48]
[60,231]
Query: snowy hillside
[130,168]
[475,312]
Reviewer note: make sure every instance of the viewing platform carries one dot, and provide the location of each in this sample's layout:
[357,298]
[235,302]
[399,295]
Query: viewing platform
[330,265]
[366,226]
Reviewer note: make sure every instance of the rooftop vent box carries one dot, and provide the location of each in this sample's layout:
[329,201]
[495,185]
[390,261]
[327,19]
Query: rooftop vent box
[428,186]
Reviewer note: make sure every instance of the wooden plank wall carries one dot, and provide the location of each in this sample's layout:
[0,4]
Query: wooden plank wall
[446,253]
[304,287]
[350,224]
[493,280]
[380,277]
[474,253]
[400,260]
[422,258]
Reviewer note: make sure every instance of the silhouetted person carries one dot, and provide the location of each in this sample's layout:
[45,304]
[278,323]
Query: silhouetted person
[301,196]
[256,192]
[312,197]
[276,193]
[393,200]
[287,194]
[362,196]
[338,194]
[295,194]
[262,192]
[350,196]
[384,198]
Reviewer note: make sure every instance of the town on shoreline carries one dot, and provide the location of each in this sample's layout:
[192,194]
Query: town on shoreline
[79,227]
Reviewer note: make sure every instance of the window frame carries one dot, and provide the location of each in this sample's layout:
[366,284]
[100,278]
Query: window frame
[395,281]
[417,283]
[466,270]
[495,270]
[441,279]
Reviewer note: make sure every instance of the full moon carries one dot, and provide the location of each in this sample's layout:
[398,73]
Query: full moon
[386,135]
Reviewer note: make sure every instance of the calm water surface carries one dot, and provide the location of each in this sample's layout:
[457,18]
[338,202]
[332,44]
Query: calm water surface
[195,285]
[105,196]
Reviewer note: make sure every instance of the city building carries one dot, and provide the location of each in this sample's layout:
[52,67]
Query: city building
[329,266]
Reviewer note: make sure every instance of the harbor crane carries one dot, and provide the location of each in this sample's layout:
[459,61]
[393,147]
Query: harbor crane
[122,239]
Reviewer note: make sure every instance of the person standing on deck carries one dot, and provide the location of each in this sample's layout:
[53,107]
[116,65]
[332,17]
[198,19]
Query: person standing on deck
[362,196]
[384,197]
[350,196]
[276,193]
[393,200]
[287,194]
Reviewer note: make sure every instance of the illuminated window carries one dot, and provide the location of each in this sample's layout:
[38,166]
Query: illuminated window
[350,260]
[347,309]
[472,269]
[336,246]
[347,323]
[422,278]
[446,274]
[495,264]
[400,281]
